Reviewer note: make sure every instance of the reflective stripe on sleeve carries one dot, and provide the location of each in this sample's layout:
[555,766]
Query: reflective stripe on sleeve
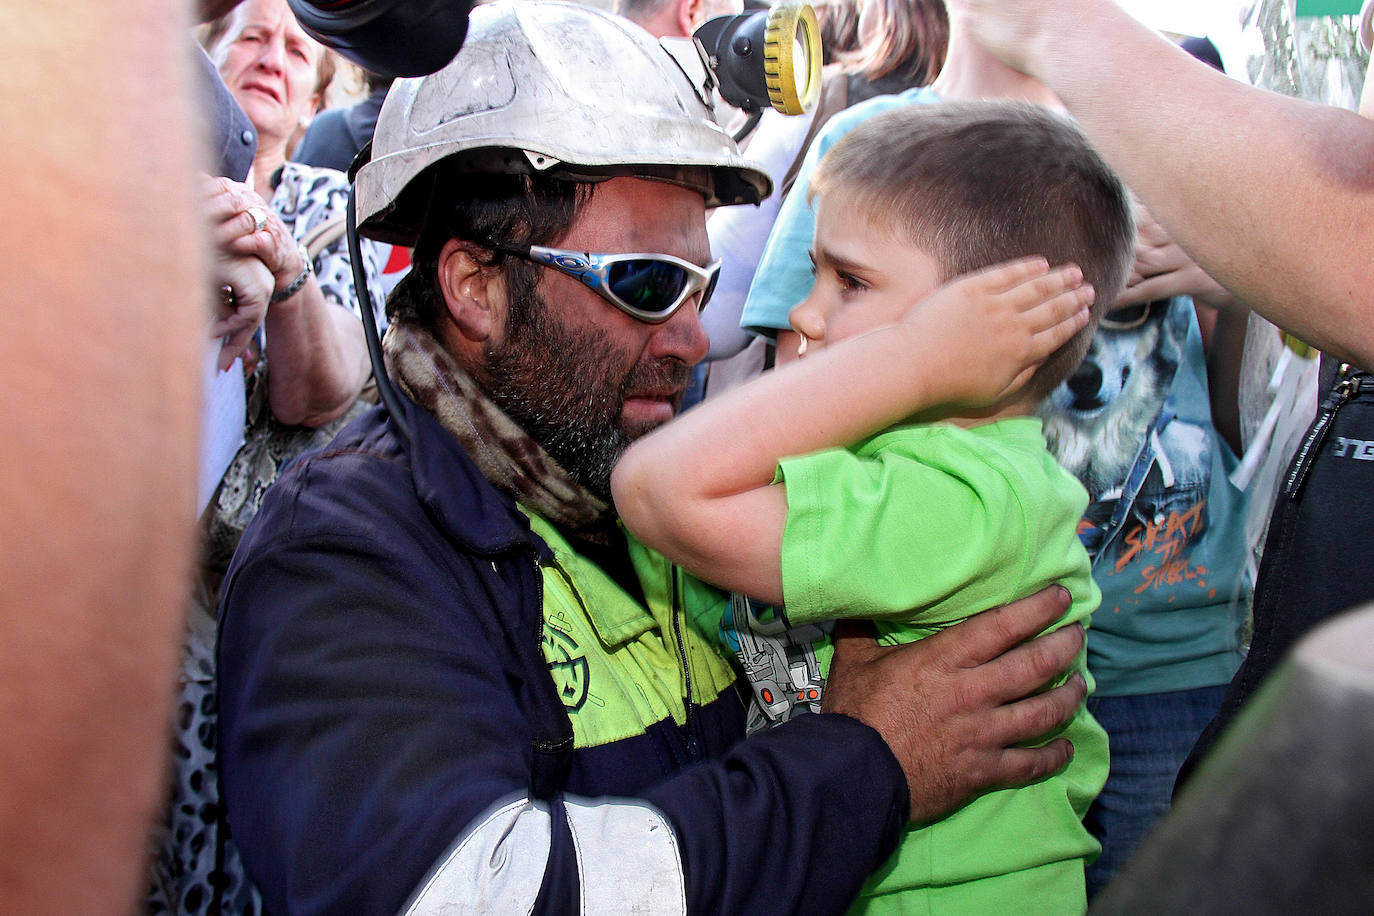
[628,861]
[627,857]
[497,868]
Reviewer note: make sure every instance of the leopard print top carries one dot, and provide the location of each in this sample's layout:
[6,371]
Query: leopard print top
[196,868]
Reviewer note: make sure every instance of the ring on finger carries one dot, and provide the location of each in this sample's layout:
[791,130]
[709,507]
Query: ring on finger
[259,216]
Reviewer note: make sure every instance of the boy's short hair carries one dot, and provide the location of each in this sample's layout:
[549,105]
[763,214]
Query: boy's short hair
[978,183]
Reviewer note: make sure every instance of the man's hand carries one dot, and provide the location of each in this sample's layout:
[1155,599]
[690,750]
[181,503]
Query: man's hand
[953,707]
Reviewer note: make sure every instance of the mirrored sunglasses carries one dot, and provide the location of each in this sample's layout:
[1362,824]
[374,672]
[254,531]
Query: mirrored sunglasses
[649,287]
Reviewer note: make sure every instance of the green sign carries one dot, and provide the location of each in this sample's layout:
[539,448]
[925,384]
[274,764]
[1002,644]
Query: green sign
[1328,7]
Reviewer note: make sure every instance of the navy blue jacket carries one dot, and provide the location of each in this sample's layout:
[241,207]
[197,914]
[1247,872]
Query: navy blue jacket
[382,690]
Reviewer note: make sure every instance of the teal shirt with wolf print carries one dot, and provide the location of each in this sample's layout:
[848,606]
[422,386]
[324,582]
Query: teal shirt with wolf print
[1165,527]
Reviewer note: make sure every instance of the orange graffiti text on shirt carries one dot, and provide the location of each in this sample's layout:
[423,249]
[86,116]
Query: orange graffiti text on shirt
[1167,539]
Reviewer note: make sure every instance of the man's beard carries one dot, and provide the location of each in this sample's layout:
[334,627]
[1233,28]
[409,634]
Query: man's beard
[563,386]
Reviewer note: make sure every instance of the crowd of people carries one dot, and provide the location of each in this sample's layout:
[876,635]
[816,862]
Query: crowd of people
[911,575]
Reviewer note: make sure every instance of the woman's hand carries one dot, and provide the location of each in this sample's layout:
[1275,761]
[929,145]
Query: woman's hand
[243,289]
[242,223]
[241,280]
[1162,269]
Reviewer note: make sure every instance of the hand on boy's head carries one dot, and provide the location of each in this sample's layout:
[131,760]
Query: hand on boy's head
[989,331]
[955,708]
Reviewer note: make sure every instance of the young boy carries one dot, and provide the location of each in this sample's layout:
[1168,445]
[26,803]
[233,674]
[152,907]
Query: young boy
[782,491]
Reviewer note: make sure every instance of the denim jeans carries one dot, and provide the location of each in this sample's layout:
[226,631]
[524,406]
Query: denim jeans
[1149,736]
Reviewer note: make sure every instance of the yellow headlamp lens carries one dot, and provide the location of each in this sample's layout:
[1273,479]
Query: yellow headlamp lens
[792,57]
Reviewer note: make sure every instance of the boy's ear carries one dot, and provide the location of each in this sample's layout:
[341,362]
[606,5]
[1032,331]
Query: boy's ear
[474,293]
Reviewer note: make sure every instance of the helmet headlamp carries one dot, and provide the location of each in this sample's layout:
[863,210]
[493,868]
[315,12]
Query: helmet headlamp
[764,58]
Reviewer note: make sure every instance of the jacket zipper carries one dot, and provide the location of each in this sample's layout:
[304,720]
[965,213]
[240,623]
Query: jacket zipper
[693,742]
[539,591]
[1345,388]
[541,744]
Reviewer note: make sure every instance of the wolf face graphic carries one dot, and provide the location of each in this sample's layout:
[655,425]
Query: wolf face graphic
[1116,414]
[1097,420]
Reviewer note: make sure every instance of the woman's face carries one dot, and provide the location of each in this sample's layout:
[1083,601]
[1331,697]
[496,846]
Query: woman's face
[270,65]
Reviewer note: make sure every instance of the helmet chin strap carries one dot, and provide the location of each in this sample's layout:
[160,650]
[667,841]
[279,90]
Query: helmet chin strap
[388,393]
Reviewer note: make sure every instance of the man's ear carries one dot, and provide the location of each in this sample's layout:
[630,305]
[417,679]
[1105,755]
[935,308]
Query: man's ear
[474,293]
[690,14]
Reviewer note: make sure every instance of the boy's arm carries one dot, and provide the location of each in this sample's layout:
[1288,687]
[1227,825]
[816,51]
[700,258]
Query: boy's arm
[699,489]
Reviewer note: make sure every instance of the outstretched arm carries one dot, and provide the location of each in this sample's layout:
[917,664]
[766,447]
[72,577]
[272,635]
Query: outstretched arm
[1278,207]
[700,489]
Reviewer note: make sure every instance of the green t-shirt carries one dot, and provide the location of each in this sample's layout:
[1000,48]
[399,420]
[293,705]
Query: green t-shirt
[918,528]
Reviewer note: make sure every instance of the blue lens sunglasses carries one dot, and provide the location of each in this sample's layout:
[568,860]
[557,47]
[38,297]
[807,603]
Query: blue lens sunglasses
[649,287]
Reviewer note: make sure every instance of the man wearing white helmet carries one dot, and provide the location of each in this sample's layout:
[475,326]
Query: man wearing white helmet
[447,681]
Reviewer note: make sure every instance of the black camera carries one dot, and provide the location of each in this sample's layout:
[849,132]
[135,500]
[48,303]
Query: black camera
[388,37]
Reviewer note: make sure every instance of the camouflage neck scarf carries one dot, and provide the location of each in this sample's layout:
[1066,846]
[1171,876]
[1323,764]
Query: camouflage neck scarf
[505,454]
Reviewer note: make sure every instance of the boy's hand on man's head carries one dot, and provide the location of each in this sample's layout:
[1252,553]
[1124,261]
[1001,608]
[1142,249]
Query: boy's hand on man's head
[986,333]
[957,708]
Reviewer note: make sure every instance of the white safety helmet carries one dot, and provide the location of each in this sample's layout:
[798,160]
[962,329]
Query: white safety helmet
[546,86]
